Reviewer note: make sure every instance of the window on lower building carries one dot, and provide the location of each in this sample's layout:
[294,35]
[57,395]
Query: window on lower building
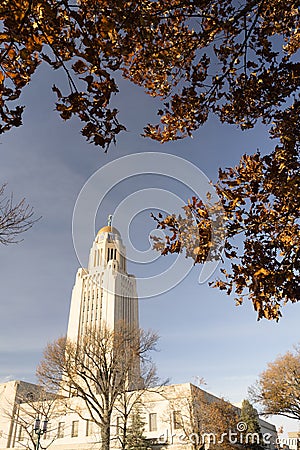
[46,435]
[74,431]
[21,434]
[177,422]
[119,426]
[152,422]
[89,428]
[61,430]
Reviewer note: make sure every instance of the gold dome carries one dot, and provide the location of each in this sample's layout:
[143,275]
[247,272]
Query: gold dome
[108,229]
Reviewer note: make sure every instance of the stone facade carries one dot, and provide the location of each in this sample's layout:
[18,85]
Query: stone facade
[165,411]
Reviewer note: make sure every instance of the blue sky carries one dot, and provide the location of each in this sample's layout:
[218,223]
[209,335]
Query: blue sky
[202,332]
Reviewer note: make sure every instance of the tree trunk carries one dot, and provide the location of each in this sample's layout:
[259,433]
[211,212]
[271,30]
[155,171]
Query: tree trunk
[123,446]
[105,435]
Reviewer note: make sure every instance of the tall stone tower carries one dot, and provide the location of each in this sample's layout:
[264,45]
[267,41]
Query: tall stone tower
[104,294]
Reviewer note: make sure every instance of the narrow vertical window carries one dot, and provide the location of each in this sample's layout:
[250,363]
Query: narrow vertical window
[152,422]
[119,426]
[47,435]
[74,431]
[21,434]
[61,430]
[177,420]
[89,428]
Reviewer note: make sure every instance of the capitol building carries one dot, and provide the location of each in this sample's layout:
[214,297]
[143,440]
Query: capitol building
[104,295]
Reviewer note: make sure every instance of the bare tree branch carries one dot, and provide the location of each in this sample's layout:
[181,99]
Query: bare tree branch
[15,218]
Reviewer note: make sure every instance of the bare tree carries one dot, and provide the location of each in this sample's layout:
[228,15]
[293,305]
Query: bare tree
[27,408]
[98,369]
[15,218]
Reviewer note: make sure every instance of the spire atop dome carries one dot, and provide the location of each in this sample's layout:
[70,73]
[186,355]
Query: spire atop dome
[109,228]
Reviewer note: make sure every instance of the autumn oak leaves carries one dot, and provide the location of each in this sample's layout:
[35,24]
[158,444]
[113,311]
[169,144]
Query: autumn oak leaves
[234,59]
[197,56]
